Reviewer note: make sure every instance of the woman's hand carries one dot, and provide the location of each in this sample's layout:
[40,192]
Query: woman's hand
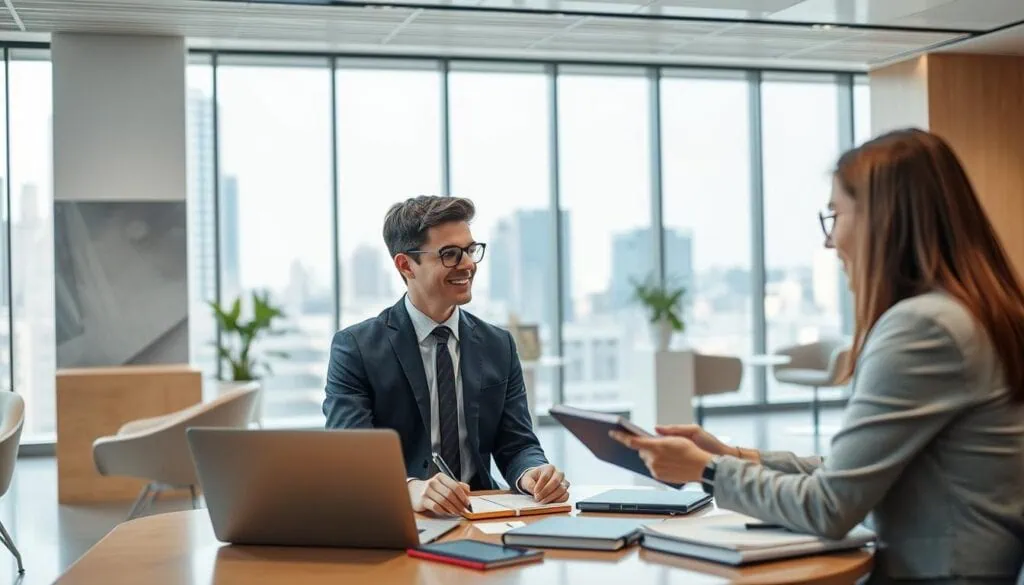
[669,459]
[699,436]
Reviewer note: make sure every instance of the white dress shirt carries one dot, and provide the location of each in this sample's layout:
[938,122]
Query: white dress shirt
[424,327]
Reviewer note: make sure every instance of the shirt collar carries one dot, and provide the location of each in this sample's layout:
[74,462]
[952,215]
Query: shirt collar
[425,326]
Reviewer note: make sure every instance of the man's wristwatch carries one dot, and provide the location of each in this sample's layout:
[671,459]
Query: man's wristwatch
[707,477]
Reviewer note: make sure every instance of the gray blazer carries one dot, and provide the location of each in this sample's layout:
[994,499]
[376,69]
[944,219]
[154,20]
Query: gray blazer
[931,445]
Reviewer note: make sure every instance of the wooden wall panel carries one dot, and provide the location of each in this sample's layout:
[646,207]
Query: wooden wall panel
[976,102]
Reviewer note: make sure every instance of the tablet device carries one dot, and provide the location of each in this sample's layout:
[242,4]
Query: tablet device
[476,554]
[626,501]
[592,428]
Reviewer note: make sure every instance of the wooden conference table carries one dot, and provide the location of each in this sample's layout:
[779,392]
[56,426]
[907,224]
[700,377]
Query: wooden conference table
[180,548]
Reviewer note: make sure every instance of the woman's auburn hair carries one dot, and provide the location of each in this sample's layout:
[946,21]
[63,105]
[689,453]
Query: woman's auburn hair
[922,228]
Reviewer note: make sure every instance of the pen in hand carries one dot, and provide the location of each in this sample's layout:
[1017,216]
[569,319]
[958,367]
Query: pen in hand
[447,471]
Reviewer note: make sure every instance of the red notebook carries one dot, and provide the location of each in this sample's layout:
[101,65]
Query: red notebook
[476,554]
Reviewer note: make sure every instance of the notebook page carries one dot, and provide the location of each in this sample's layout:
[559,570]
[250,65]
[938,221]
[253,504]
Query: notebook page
[514,501]
[729,531]
[482,505]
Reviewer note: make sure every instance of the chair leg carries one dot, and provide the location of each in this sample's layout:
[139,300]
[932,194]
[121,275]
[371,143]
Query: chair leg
[700,412]
[9,543]
[195,497]
[816,417]
[141,502]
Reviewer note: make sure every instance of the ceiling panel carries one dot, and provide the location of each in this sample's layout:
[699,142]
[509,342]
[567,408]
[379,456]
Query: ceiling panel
[972,15]
[379,29]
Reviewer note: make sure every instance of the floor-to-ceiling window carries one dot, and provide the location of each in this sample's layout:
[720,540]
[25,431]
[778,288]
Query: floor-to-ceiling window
[6,239]
[801,141]
[861,110]
[275,200]
[706,186]
[605,188]
[389,138]
[395,139]
[30,188]
[202,214]
[500,158]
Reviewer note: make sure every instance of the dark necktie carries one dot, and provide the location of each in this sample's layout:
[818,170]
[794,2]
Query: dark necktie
[447,403]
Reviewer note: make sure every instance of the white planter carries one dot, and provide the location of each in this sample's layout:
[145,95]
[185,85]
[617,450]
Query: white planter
[225,386]
[661,334]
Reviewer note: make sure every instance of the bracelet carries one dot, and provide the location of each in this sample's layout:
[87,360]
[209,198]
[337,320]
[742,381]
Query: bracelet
[739,453]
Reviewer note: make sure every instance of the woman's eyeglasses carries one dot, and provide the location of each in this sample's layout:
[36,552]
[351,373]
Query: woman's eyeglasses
[451,256]
[828,222]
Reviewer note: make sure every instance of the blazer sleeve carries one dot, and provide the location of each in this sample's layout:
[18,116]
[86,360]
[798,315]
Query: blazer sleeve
[516,446]
[910,383]
[787,462]
[348,403]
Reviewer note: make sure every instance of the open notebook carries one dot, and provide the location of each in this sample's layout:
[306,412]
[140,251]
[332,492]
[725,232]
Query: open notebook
[724,538]
[506,505]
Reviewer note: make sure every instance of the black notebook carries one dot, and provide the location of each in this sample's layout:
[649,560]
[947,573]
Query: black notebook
[577,533]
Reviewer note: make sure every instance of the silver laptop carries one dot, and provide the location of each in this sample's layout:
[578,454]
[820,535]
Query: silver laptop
[308,488]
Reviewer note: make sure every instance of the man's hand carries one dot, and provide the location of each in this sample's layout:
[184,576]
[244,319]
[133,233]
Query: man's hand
[439,495]
[546,483]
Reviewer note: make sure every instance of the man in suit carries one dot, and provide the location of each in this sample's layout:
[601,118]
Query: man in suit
[447,382]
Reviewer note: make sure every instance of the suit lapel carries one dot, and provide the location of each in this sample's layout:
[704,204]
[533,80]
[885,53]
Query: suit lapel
[470,366]
[403,341]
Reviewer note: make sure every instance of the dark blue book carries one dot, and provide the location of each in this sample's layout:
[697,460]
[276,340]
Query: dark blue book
[577,533]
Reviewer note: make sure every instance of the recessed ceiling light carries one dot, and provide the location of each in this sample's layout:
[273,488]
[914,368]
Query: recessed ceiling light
[823,26]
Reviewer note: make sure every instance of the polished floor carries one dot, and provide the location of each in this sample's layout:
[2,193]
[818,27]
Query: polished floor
[51,537]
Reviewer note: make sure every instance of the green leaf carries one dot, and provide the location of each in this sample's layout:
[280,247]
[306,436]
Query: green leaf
[661,302]
[238,336]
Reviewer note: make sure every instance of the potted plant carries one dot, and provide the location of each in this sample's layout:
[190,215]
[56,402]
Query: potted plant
[235,345]
[664,309]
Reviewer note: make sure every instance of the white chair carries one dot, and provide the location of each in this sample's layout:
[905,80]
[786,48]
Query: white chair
[714,374]
[816,365]
[12,411]
[156,448]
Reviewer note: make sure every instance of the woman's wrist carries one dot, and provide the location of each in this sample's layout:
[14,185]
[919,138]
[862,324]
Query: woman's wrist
[748,454]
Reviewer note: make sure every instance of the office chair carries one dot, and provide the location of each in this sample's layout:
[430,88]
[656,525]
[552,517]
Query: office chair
[816,365]
[12,409]
[156,448]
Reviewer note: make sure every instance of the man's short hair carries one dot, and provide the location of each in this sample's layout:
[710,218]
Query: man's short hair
[407,222]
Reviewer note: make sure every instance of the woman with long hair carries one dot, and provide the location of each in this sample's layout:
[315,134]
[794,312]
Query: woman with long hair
[932,439]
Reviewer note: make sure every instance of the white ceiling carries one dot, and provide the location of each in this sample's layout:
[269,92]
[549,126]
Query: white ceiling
[1009,41]
[795,34]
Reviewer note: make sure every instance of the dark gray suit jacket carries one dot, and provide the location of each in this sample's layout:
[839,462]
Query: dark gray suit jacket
[376,380]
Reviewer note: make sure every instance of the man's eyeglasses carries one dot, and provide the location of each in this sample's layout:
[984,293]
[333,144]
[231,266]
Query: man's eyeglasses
[451,256]
[828,222]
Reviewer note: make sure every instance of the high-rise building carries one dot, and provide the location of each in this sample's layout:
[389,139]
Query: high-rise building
[201,216]
[230,284]
[370,277]
[522,262]
[633,261]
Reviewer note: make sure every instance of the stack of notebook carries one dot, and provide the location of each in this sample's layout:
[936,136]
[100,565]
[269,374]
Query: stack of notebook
[734,539]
